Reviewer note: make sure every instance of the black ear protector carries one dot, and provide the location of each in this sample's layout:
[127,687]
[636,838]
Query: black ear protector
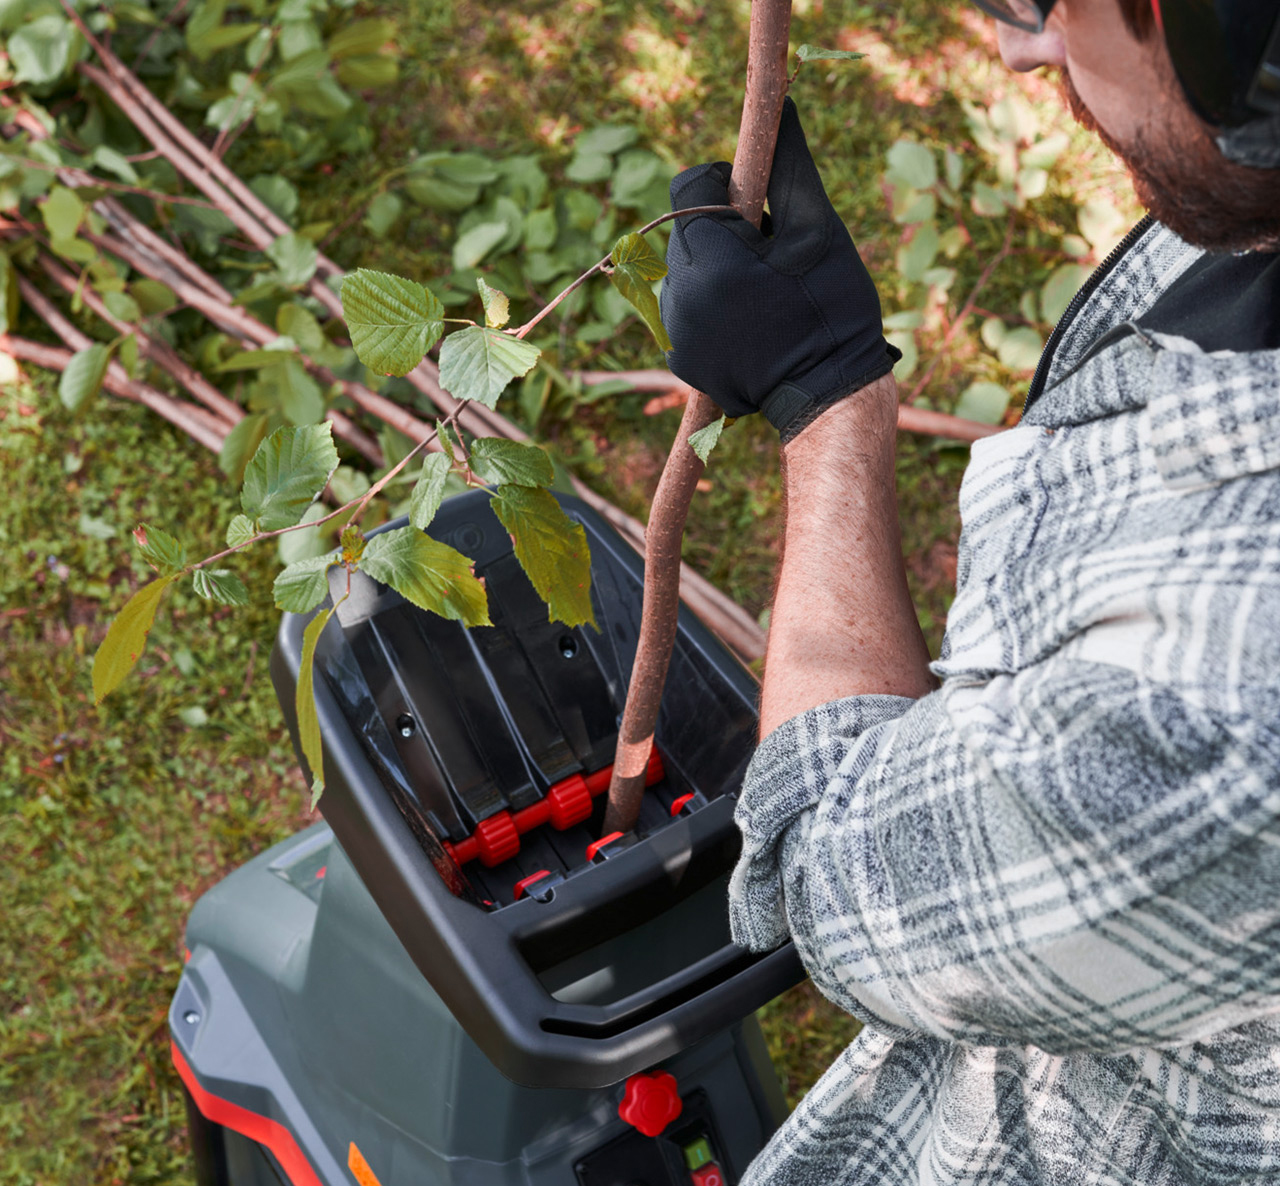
[1226,54]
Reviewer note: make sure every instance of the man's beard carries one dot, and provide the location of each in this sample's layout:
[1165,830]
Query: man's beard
[1192,188]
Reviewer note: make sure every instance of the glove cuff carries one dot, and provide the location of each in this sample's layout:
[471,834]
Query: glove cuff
[791,408]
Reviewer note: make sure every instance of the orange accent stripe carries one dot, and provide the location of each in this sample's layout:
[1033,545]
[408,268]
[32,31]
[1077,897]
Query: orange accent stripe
[360,1168]
[267,1132]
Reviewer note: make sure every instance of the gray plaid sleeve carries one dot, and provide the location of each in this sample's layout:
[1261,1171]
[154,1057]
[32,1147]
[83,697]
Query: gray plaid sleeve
[1070,856]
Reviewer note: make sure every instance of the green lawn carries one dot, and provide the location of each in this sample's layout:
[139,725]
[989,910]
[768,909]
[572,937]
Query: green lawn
[113,820]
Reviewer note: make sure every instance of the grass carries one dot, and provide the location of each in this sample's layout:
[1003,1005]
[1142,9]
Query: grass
[113,820]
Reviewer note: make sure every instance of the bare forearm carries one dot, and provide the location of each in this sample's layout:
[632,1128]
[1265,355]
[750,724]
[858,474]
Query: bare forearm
[842,622]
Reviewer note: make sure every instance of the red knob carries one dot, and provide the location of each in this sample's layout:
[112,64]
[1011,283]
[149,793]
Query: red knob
[651,1102]
[497,839]
[570,802]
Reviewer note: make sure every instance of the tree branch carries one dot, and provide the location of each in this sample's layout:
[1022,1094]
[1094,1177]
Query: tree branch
[749,183]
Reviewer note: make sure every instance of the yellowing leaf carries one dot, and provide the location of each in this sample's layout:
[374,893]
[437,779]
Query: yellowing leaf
[497,308]
[635,266]
[428,573]
[552,550]
[305,705]
[126,638]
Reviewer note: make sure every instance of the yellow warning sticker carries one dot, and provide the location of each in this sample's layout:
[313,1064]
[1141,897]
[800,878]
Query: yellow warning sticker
[360,1168]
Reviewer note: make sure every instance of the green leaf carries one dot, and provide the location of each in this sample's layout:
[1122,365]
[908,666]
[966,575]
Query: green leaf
[122,305]
[428,573]
[987,200]
[606,139]
[115,163]
[220,585]
[704,440]
[499,462]
[497,308]
[194,716]
[993,332]
[287,474]
[635,170]
[301,399]
[984,402]
[42,51]
[917,257]
[62,212]
[362,37]
[95,528]
[393,321]
[587,167]
[126,638]
[1058,290]
[635,266]
[241,443]
[1044,153]
[303,544]
[1032,182]
[1020,349]
[294,257]
[478,363]
[383,213]
[815,53]
[540,230]
[166,554]
[473,245]
[80,383]
[353,543]
[428,493]
[912,164]
[302,586]
[240,531]
[9,297]
[552,550]
[277,192]
[152,296]
[251,360]
[305,705]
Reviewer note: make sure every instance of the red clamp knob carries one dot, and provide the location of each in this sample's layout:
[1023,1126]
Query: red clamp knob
[497,839]
[570,802]
[651,1102]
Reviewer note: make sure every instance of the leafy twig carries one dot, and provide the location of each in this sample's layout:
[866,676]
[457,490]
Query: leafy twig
[602,265]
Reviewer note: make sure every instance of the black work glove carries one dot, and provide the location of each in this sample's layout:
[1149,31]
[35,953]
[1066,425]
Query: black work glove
[783,320]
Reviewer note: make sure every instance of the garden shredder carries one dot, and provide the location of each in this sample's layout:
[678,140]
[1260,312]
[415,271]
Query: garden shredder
[455,978]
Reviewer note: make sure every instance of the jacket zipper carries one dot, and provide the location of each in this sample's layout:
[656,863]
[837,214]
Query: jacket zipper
[1098,275]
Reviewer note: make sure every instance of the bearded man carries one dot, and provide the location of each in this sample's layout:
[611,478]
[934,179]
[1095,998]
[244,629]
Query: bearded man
[1044,870]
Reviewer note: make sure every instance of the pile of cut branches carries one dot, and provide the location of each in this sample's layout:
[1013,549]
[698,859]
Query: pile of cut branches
[159,273]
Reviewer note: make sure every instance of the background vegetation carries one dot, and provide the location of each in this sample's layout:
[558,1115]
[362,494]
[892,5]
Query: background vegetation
[113,820]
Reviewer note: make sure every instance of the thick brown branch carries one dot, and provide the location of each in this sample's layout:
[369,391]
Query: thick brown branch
[752,162]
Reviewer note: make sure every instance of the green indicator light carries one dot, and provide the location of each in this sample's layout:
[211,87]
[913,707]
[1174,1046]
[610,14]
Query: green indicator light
[698,1154]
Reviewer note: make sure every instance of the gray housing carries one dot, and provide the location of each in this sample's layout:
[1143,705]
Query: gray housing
[300,1005]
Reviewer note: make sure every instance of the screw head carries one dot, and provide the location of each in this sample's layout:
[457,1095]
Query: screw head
[406,726]
[191,1017]
[568,646]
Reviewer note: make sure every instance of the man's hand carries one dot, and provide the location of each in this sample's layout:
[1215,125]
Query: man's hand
[783,320]
[842,622]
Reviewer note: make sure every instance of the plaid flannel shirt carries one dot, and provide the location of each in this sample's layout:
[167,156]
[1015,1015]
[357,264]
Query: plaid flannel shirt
[1051,889]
